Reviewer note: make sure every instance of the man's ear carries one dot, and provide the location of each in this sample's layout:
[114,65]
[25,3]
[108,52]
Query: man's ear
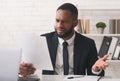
[75,23]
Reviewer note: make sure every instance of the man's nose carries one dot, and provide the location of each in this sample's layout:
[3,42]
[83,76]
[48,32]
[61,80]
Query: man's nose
[60,24]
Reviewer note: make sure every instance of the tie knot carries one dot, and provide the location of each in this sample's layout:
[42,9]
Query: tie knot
[65,44]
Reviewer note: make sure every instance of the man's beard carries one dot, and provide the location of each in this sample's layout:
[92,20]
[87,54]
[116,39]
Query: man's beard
[66,33]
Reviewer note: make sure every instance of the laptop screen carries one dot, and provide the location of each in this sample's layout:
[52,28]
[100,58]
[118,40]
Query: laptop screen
[9,63]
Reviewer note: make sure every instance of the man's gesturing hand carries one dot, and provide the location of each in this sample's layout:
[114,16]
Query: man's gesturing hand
[100,64]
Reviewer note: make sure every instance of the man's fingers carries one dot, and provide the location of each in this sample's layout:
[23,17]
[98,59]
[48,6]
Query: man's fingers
[105,57]
[26,69]
[102,66]
[31,71]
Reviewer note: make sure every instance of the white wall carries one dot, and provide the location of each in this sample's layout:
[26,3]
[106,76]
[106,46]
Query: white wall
[99,4]
[26,16]
[36,15]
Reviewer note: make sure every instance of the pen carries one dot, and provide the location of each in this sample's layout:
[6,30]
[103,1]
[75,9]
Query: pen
[72,77]
[100,78]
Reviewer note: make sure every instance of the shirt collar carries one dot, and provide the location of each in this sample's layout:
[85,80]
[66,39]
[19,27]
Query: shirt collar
[69,41]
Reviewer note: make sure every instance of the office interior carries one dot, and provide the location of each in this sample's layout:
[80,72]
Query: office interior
[38,16]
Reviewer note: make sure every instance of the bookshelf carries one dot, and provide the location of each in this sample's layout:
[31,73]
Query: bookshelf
[89,18]
[96,15]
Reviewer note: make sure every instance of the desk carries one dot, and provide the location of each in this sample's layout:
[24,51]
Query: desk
[85,78]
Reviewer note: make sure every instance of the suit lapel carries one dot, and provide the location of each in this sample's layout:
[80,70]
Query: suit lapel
[52,45]
[77,52]
[55,45]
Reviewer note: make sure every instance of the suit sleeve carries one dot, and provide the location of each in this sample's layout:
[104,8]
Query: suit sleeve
[92,58]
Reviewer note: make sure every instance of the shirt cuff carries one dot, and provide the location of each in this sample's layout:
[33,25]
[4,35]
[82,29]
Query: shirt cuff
[97,73]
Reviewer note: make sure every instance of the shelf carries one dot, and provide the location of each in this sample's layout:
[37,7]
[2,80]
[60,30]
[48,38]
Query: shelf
[87,20]
[113,61]
[87,26]
[101,34]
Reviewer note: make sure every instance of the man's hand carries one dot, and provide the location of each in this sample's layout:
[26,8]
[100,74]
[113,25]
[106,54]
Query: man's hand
[26,69]
[100,64]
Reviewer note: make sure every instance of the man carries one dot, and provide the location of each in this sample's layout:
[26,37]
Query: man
[82,53]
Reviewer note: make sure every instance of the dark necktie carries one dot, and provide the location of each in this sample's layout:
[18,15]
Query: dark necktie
[65,58]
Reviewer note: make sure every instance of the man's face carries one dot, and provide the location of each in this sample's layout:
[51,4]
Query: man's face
[65,23]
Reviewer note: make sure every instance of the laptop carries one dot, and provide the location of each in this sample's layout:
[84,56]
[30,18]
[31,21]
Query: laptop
[9,63]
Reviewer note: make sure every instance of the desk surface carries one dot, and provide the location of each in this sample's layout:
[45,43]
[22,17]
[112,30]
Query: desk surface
[85,78]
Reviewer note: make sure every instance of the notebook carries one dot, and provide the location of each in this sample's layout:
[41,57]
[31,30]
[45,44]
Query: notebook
[9,63]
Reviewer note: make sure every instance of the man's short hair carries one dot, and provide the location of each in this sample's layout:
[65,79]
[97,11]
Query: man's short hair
[72,8]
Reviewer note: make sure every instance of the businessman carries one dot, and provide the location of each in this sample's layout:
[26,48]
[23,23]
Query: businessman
[81,51]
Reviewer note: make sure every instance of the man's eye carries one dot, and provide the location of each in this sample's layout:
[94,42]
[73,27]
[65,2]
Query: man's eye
[57,20]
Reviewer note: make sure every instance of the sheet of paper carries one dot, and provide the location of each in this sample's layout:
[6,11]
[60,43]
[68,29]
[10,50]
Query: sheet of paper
[34,50]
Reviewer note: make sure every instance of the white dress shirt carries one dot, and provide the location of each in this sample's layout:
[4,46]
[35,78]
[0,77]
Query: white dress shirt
[59,57]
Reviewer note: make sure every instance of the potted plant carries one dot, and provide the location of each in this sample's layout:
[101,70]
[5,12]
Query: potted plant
[100,27]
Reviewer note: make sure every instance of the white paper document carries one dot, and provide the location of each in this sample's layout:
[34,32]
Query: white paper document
[34,50]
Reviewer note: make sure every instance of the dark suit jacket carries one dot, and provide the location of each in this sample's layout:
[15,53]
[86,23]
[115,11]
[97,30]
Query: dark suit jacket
[85,53]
